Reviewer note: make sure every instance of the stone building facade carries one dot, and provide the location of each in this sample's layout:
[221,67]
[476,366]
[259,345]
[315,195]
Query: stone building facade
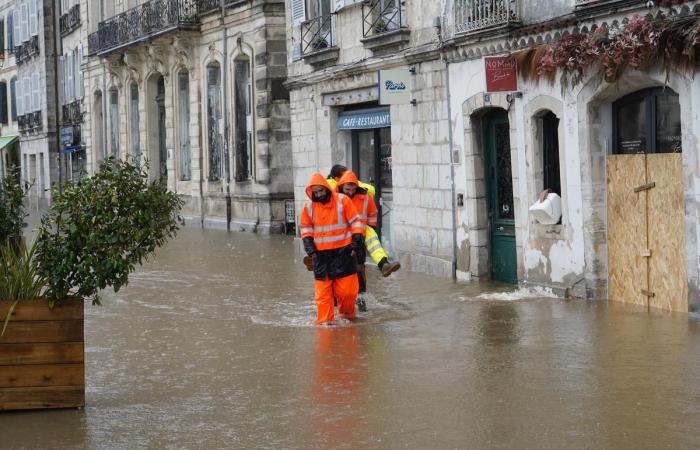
[195,91]
[9,130]
[34,43]
[467,164]
[336,50]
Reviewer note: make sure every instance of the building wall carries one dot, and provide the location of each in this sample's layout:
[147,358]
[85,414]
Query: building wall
[8,72]
[254,30]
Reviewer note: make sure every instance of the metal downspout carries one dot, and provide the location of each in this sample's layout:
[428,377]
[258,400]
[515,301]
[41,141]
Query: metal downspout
[452,171]
[224,105]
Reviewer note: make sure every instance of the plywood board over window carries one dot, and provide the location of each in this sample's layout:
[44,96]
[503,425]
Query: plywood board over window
[646,231]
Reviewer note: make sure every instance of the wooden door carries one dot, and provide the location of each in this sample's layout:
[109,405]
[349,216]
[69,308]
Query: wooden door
[646,231]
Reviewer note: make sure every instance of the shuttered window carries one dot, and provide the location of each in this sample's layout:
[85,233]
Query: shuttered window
[27,91]
[3,102]
[70,86]
[80,77]
[16,28]
[10,33]
[25,22]
[36,97]
[33,18]
[298,12]
[19,97]
[13,98]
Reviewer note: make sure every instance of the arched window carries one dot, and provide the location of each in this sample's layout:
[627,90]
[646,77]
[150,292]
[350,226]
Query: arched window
[183,86]
[647,121]
[135,128]
[214,115]
[114,122]
[244,119]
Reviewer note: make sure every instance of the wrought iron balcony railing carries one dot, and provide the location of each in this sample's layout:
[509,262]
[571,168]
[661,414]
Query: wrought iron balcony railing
[26,50]
[382,16]
[145,21]
[478,15]
[29,122]
[72,113]
[317,34]
[70,20]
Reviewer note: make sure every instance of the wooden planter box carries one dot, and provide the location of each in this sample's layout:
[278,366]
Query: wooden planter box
[42,362]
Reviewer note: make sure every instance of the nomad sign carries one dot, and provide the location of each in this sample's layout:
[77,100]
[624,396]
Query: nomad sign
[501,74]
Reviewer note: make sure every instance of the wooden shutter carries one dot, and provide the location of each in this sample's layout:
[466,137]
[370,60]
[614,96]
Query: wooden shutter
[33,18]
[27,91]
[13,98]
[16,28]
[3,102]
[81,75]
[70,86]
[61,81]
[19,98]
[25,23]
[36,90]
[298,12]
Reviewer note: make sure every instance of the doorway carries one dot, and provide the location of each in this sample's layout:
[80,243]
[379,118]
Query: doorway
[499,197]
[373,164]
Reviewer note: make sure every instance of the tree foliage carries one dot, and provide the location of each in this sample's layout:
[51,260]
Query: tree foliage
[12,213]
[98,230]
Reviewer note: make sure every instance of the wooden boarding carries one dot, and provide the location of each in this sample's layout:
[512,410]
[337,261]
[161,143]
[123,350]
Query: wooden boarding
[668,270]
[42,356]
[42,375]
[627,268]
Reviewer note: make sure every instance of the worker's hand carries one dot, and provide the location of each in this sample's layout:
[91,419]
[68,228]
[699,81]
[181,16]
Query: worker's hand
[358,241]
[309,263]
[544,194]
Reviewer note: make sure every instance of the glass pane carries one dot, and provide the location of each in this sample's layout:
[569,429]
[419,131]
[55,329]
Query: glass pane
[632,133]
[385,162]
[184,108]
[114,122]
[214,116]
[135,124]
[504,175]
[243,156]
[668,123]
[365,140]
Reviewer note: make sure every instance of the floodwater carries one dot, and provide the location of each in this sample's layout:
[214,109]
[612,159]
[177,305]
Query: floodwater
[212,346]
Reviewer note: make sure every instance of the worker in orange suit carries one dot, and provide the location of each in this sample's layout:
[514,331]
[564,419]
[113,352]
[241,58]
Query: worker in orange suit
[349,185]
[333,234]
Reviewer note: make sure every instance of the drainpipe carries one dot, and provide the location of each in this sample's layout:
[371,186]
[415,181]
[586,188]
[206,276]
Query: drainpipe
[224,105]
[452,170]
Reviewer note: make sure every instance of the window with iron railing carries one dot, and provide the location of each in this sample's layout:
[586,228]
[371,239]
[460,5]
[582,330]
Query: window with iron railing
[382,16]
[318,32]
[477,15]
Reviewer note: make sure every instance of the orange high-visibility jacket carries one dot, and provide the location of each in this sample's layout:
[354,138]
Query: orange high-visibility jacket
[330,224]
[363,201]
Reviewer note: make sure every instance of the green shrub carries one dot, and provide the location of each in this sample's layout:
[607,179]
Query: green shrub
[12,212]
[99,229]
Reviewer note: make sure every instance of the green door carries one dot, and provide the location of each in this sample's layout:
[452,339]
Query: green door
[499,195]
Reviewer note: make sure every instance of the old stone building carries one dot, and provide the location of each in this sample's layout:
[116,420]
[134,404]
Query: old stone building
[33,41]
[9,130]
[336,50]
[194,88]
[467,162]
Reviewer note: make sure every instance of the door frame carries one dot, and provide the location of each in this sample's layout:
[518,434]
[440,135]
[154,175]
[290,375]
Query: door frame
[377,168]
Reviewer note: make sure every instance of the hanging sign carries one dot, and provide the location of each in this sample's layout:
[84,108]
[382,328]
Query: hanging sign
[67,136]
[501,74]
[394,87]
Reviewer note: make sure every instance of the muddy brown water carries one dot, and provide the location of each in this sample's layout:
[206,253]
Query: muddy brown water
[212,346]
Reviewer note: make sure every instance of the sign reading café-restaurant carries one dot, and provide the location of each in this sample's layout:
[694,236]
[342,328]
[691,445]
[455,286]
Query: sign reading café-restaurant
[501,74]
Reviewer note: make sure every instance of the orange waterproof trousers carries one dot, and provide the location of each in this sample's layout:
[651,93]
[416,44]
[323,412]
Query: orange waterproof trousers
[344,290]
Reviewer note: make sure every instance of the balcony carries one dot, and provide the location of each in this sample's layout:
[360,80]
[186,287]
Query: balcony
[317,40]
[72,113]
[70,20]
[29,122]
[144,22]
[472,16]
[26,50]
[384,24]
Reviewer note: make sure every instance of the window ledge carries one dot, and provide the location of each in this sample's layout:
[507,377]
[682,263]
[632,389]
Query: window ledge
[322,56]
[380,41]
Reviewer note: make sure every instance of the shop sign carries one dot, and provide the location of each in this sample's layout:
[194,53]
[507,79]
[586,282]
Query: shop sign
[394,87]
[501,74]
[364,119]
[66,136]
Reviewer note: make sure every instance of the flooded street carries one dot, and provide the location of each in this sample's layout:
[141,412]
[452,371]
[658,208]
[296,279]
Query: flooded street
[212,346]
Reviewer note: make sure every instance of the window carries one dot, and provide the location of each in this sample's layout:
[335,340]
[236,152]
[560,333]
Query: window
[33,18]
[550,152]
[647,121]
[13,96]
[114,121]
[2,37]
[214,131]
[3,102]
[184,113]
[135,122]
[244,120]
[10,32]
[16,28]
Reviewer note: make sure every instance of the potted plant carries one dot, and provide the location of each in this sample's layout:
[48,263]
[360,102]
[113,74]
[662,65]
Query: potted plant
[93,236]
[12,213]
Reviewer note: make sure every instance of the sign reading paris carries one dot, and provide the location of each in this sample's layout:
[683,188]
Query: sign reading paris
[394,87]
[501,74]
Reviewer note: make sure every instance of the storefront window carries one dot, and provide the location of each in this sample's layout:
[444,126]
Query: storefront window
[648,121]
